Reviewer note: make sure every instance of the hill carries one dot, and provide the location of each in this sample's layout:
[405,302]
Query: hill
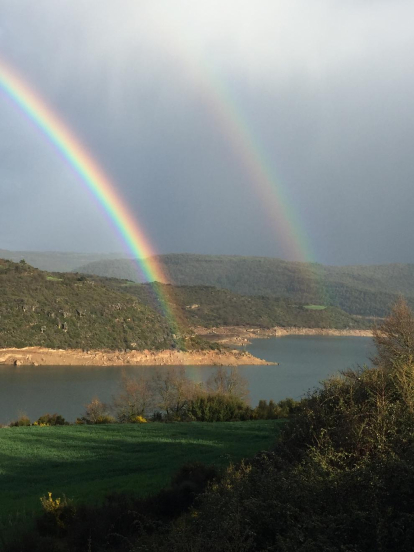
[56,261]
[358,290]
[68,311]
[211,307]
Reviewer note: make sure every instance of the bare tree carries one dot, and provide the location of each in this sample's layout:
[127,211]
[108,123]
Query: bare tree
[230,382]
[97,412]
[394,338]
[136,398]
[173,391]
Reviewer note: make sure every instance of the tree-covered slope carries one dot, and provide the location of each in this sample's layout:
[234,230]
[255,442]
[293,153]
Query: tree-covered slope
[208,306]
[67,311]
[360,290]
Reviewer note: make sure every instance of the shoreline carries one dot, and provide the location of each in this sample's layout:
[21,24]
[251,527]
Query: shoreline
[41,356]
[240,335]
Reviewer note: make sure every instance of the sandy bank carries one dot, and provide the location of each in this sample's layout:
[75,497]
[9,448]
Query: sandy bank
[239,335]
[38,356]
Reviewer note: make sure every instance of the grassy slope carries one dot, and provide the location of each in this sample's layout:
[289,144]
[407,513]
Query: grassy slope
[362,290]
[96,316]
[209,306]
[87,462]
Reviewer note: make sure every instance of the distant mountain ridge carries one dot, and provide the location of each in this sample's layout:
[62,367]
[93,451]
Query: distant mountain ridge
[359,290]
[56,261]
[366,290]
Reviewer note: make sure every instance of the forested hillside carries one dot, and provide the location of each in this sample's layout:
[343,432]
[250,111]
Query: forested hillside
[360,290]
[208,306]
[71,311]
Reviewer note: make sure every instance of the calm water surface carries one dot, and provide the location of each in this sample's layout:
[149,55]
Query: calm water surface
[303,362]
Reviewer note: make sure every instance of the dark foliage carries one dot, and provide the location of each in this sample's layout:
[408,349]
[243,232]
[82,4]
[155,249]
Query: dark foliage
[219,408]
[52,420]
[119,521]
[68,311]
[273,411]
[341,478]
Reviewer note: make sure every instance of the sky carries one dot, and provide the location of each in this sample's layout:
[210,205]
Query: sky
[268,128]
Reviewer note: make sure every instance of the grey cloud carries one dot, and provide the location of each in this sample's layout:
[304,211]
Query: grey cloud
[325,90]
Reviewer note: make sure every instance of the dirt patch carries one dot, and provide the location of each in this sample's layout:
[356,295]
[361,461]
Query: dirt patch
[38,356]
[239,335]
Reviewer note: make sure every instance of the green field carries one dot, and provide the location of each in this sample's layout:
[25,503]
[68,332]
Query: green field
[87,462]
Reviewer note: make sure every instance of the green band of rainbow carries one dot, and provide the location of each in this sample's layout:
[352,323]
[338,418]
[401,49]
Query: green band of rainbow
[91,174]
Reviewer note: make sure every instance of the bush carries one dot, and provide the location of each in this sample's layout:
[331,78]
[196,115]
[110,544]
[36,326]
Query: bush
[218,408]
[51,420]
[21,421]
[96,412]
[138,420]
[271,411]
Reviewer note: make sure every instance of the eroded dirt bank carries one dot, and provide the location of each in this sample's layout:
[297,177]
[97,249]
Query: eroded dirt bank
[239,335]
[38,356]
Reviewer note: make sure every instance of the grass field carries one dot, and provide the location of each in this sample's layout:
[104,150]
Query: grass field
[87,462]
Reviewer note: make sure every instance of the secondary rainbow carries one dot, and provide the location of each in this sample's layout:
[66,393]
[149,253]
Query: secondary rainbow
[90,173]
[233,126]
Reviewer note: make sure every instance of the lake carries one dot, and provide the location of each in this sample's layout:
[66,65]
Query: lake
[303,362]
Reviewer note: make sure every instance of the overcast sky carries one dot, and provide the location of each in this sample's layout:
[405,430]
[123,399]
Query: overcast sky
[181,102]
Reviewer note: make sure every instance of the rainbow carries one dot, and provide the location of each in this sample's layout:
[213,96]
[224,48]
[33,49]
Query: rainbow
[91,175]
[233,125]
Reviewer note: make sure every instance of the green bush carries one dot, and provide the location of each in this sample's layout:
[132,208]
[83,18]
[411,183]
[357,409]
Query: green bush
[272,411]
[51,419]
[218,408]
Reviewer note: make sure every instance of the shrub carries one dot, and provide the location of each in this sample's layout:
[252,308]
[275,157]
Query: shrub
[218,408]
[138,420]
[51,420]
[21,421]
[96,412]
[271,411]
[57,513]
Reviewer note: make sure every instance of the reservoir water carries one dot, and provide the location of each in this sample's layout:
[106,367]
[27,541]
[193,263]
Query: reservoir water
[303,362]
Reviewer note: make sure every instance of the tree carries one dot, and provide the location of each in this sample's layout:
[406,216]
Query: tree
[136,398]
[96,412]
[173,392]
[394,338]
[228,383]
